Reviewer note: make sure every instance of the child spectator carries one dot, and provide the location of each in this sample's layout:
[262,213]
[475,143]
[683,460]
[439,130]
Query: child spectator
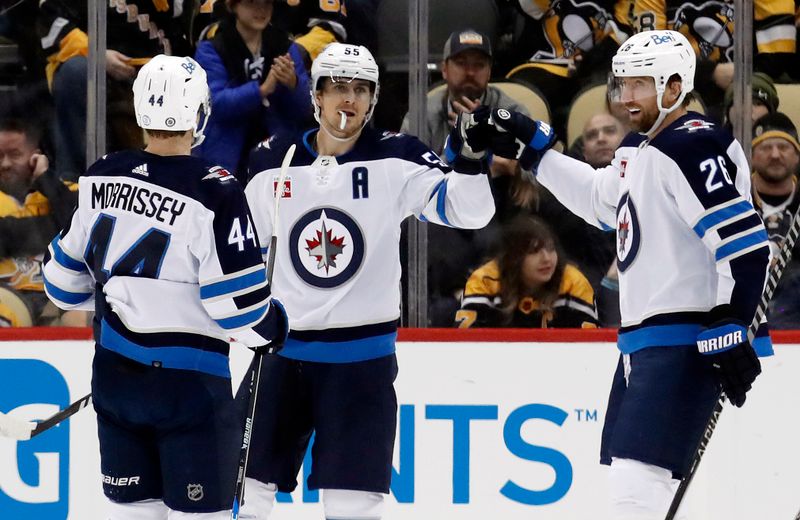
[528,284]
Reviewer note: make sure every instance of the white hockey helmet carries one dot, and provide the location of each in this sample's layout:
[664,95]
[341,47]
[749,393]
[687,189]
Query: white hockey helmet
[659,55]
[344,62]
[171,93]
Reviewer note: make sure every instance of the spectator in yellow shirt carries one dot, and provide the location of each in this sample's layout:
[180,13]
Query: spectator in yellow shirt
[528,284]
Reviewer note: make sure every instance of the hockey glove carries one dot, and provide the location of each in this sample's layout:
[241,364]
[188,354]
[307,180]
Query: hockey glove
[466,145]
[732,358]
[274,327]
[516,136]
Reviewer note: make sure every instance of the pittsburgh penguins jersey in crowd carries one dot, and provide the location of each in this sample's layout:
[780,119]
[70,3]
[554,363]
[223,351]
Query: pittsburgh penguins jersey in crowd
[139,29]
[337,267]
[163,249]
[481,305]
[708,25]
[558,31]
[688,238]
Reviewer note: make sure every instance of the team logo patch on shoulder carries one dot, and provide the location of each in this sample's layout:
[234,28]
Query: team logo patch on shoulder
[694,125]
[326,246]
[218,172]
[286,192]
[628,233]
[388,135]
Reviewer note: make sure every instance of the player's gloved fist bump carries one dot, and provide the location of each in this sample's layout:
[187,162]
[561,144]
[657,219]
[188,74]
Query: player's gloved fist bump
[274,327]
[732,358]
[469,139]
[516,136]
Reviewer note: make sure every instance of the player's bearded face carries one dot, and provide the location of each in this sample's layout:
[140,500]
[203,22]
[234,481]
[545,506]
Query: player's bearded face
[638,96]
[344,100]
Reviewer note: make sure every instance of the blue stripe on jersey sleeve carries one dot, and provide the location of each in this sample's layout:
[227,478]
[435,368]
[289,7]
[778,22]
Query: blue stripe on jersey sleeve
[64,259]
[449,154]
[713,219]
[441,202]
[741,243]
[240,320]
[68,297]
[233,284]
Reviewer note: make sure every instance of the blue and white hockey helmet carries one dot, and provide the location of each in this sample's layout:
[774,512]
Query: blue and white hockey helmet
[344,62]
[171,93]
[659,55]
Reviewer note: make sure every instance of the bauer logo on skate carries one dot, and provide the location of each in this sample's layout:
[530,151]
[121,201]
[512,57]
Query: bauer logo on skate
[327,247]
[34,476]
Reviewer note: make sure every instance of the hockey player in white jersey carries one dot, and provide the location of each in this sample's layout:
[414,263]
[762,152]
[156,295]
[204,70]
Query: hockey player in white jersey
[692,257]
[162,248]
[338,272]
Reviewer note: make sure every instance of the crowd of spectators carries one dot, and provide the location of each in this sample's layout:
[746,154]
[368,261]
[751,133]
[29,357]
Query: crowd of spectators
[257,54]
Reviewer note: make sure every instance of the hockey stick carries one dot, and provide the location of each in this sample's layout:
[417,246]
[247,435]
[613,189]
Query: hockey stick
[258,359]
[24,430]
[774,277]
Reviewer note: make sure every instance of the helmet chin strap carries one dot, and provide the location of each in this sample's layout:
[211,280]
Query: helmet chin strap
[664,112]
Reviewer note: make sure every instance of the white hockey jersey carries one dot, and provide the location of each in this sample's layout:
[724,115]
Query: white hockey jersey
[337,267]
[163,250]
[688,238]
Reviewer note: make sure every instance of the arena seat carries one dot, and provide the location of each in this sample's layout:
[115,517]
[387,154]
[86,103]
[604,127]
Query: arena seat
[789,96]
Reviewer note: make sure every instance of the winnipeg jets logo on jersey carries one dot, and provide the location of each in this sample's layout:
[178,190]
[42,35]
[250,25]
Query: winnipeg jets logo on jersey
[693,125]
[628,232]
[326,246]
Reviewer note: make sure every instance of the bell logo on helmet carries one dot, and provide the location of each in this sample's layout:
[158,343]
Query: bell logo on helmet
[188,66]
[658,39]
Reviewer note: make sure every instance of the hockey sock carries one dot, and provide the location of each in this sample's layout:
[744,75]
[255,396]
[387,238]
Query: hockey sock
[142,510]
[347,504]
[640,491]
[259,498]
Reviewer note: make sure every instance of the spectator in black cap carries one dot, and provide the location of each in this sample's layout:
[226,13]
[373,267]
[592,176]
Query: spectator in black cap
[776,155]
[466,68]
[765,97]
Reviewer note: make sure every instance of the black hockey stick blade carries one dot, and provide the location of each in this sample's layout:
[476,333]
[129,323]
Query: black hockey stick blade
[63,415]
